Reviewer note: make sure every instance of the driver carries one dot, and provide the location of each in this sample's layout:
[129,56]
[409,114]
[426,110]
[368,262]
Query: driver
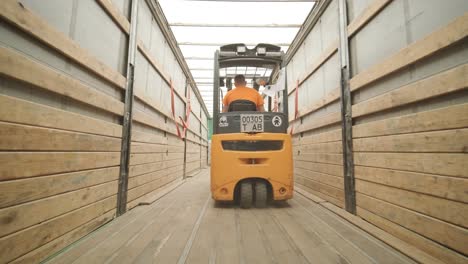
[242,92]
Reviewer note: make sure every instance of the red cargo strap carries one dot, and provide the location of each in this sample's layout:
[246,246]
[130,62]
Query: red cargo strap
[296,105]
[187,112]
[173,109]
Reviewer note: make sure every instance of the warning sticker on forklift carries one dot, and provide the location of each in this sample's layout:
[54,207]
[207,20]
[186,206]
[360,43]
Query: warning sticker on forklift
[223,122]
[251,123]
[276,121]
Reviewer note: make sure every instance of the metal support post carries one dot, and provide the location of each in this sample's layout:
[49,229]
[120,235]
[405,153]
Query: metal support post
[186,131]
[346,115]
[127,118]
[216,93]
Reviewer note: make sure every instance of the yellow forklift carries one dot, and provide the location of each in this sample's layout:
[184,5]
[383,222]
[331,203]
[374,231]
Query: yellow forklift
[251,152]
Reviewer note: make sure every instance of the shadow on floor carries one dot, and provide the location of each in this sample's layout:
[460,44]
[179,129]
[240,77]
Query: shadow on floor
[232,205]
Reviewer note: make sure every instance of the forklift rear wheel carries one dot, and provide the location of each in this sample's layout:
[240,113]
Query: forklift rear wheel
[246,195]
[261,194]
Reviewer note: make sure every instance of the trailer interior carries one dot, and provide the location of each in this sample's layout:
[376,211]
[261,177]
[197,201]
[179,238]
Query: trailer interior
[109,113]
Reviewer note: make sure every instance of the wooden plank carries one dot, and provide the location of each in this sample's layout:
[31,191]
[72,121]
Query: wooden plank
[432,248]
[328,179]
[318,122]
[179,149]
[352,244]
[455,140]
[151,186]
[310,244]
[447,234]
[308,195]
[172,163]
[389,239]
[173,140]
[372,10]
[434,163]
[173,156]
[374,249]
[153,103]
[146,119]
[18,15]
[22,242]
[453,32]
[145,178]
[451,117]
[450,81]
[335,170]
[25,190]
[191,130]
[115,232]
[21,216]
[16,165]
[144,242]
[148,148]
[155,195]
[324,197]
[327,147]
[20,111]
[328,190]
[446,210]
[117,16]
[320,158]
[20,67]
[41,253]
[23,137]
[136,170]
[141,158]
[329,136]
[441,186]
[145,137]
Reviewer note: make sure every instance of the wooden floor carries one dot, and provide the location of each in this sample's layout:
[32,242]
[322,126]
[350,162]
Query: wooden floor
[186,226]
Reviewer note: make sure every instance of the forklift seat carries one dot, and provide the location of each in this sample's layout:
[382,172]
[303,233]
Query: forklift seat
[242,106]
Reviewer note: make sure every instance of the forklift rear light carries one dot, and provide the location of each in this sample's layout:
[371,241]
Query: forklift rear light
[241,49]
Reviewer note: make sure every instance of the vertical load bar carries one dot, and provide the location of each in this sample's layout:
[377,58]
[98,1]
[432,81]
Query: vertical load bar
[285,102]
[127,118]
[346,116]
[216,93]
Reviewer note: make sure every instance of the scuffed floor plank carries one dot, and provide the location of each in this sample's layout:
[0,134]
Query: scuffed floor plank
[186,226]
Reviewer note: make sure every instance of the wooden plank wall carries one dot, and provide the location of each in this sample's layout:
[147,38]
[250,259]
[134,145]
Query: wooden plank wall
[318,165]
[157,153]
[197,142]
[410,137]
[62,86]
[60,134]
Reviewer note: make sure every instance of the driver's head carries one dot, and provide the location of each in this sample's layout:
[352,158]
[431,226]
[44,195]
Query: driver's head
[239,80]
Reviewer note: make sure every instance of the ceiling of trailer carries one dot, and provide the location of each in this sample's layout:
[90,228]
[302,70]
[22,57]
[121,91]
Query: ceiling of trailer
[200,27]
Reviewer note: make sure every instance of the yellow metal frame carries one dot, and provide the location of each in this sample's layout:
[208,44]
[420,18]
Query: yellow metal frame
[230,167]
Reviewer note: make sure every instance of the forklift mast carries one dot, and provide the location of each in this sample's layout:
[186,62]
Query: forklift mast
[238,55]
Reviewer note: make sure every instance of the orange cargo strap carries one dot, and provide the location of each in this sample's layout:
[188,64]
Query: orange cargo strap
[173,109]
[296,105]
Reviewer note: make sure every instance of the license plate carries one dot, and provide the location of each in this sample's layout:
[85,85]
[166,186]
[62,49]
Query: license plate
[251,123]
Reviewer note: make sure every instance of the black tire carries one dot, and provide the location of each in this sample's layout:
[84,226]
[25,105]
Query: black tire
[246,195]
[261,194]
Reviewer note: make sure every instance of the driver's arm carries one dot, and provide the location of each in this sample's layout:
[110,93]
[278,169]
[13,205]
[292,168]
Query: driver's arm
[225,108]
[260,103]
